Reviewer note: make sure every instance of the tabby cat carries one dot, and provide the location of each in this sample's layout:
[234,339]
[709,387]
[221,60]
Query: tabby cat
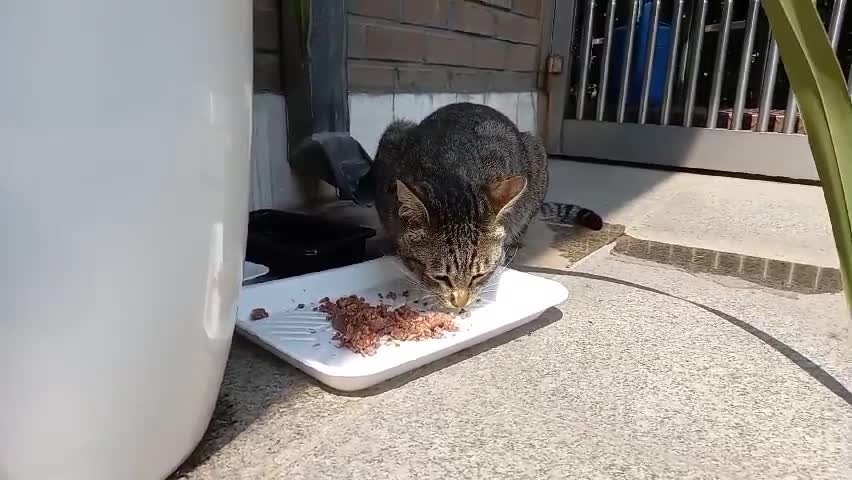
[457,191]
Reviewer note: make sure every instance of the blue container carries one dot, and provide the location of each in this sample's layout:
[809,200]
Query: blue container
[640,54]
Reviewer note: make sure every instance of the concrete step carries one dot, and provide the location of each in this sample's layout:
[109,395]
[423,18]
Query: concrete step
[752,217]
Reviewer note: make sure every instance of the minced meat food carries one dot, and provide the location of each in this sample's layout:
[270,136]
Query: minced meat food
[361,326]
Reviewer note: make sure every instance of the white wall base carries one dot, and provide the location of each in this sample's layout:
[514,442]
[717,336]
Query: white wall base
[273,183]
[370,114]
[275,186]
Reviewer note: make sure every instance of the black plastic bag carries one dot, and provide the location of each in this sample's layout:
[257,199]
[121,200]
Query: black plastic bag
[339,160]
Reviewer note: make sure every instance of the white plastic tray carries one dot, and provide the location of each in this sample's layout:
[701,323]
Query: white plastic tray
[253,270]
[303,337]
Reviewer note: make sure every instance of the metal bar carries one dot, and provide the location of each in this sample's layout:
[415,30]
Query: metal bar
[585,53]
[719,65]
[767,87]
[745,63]
[650,50]
[836,22]
[694,69]
[607,53]
[834,25]
[668,92]
[716,27]
[625,68]
[686,51]
[791,112]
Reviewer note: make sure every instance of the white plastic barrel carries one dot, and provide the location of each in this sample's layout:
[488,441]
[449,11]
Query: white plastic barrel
[124,172]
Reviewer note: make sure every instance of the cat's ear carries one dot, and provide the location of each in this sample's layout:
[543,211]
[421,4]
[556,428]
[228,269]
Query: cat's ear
[393,140]
[503,193]
[412,210]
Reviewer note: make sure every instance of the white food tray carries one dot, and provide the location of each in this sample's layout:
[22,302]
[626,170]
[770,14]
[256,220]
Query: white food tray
[303,337]
[253,270]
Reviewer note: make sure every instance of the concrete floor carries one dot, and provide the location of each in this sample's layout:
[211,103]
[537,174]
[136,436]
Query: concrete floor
[646,371]
[751,217]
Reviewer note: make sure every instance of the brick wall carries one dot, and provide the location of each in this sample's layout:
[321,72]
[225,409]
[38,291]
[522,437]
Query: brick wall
[267,39]
[459,46]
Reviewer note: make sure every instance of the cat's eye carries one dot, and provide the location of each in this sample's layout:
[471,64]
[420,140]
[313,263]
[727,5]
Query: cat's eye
[477,278]
[443,279]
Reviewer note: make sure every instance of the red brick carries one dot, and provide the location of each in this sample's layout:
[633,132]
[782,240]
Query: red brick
[750,117]
[447,50]
[724,119]
[356,42]
[512,82]
[470,81]
[776,121]
[395,44]
[368,77]
[426,79]
[777,118]
[530,8]
[516,28]
[432,13]
[489,53]
[471,17]
[521,58]
[374,8]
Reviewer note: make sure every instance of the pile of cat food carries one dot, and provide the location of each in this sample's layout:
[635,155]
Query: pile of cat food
[361,326]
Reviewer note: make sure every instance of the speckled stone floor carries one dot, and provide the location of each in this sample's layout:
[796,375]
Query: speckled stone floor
[650,369]
[647,371]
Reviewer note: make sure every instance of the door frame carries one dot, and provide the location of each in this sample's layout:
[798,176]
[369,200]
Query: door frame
[558,18]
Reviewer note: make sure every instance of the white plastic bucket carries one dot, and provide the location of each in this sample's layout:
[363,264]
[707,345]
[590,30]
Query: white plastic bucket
[124,173]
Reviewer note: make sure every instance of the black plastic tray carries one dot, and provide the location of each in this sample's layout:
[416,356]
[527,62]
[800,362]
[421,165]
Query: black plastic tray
[295,244]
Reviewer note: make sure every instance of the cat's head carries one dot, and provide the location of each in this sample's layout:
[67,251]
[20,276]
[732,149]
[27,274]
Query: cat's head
[453,239]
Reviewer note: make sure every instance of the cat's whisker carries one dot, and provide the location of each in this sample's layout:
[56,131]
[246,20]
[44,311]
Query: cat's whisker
[506,264]
[402,269]
[416,284]
[428,298]
[412,281]
[485,301]
[409,277]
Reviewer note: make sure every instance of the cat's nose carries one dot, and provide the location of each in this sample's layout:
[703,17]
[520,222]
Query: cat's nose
[460,298]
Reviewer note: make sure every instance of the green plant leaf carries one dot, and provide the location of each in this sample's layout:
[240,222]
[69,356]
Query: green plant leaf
[824,101]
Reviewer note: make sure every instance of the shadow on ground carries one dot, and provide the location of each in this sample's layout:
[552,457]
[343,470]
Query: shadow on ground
[254,382]
[806,364]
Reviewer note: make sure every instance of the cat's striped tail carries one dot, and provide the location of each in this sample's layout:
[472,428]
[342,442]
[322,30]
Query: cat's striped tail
[568,214]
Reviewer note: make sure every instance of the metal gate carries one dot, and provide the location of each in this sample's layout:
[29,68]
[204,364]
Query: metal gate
[689,83]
